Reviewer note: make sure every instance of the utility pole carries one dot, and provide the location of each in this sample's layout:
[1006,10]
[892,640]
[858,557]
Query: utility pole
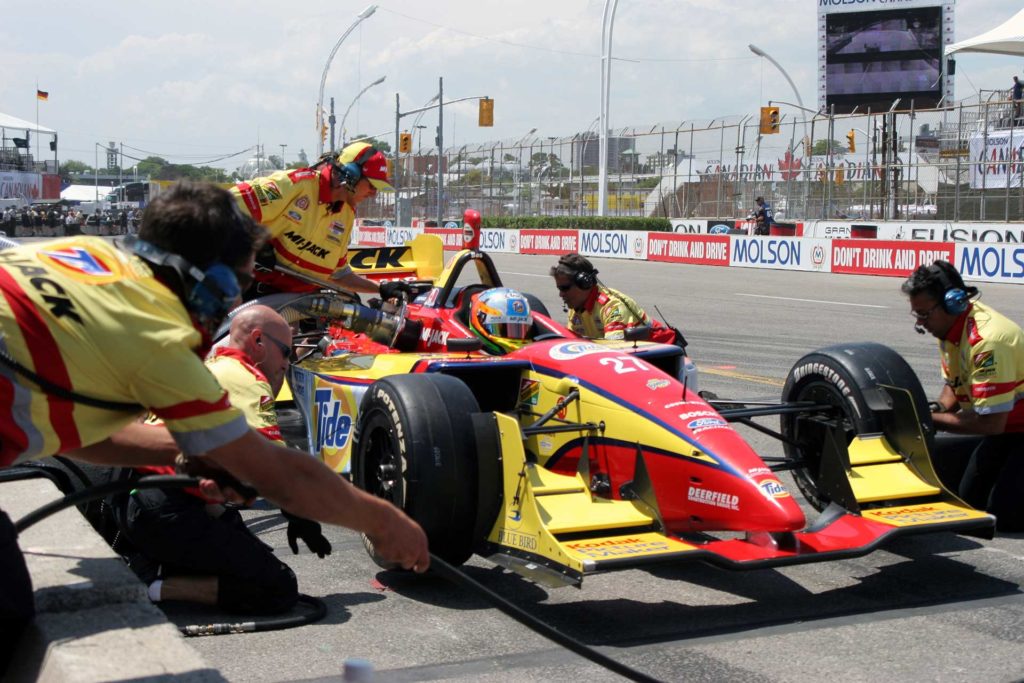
[330,120]
[440,148]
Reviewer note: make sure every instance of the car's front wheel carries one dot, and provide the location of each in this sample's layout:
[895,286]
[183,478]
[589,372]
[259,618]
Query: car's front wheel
[414,447]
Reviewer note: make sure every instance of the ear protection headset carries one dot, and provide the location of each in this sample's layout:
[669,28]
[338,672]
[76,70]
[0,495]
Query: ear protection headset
[210,293]
[956,296]
[584,279]
[351,172]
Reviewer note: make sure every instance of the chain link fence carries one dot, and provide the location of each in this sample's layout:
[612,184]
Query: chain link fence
[959,163]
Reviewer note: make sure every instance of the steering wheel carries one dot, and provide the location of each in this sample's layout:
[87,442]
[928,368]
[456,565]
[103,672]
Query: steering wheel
[548,335]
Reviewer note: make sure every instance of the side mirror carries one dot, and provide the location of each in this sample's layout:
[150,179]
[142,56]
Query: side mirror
[465,345]
[638,333]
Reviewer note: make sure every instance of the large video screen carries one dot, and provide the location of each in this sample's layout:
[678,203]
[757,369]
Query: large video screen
[876,57]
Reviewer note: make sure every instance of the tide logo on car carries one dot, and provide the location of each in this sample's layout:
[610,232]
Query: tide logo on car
[773,488]
[333,424]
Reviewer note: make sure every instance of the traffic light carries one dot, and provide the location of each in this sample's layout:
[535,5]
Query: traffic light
[405,143]
[486,117]
[851,141]
[769,120]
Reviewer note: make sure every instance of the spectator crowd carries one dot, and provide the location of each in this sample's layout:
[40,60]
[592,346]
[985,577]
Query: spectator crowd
[59,220]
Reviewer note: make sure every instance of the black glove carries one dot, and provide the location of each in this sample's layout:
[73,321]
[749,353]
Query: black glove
[389,290]
[310,533]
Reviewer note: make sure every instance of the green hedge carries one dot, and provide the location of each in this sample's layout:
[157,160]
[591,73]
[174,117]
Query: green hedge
[577,223]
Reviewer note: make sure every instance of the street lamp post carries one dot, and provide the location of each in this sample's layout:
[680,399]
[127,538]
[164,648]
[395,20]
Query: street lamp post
[761,53]
[282,146]
[519,172]
[352,104]
[365,14]
[607,24]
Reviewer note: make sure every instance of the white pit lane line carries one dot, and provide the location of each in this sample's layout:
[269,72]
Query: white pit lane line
[811,301]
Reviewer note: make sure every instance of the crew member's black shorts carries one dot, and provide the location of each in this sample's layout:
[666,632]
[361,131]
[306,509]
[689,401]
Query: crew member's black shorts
[16,605]
[987,472]
[172,529]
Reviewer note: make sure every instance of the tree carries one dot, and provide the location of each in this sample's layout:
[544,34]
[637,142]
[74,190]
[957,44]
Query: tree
[74,167]
[820,148]
[381,145]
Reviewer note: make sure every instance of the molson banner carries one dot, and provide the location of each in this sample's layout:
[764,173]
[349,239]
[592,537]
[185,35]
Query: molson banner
[996,160]
[629,244]
[784,253]
[991,262]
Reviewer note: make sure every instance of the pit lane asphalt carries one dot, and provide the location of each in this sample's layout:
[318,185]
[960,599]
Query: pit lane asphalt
[934,607]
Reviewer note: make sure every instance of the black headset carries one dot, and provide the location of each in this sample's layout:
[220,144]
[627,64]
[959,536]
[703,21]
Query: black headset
[351,172]
[955,296]
[584,279]
[210,293]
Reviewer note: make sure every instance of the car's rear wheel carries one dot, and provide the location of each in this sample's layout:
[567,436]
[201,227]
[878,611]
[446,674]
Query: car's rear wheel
[414,447]
[846,377]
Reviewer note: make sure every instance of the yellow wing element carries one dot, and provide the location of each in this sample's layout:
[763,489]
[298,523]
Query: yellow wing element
[422,258]
[539,505]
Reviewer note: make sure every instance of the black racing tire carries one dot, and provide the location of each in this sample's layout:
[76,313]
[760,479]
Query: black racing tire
[846,376]
[414,447]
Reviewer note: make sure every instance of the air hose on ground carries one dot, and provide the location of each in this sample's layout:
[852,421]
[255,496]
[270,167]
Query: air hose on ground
[319,610]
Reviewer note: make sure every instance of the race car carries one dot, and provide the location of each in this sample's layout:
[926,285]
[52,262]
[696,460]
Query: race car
[571,456]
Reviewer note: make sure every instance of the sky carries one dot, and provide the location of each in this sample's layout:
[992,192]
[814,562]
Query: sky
[194,82]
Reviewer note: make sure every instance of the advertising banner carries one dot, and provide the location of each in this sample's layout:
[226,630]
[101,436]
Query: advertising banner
[450,237]
[369,236]
[878,257]
[396,237]
[628,244]
[706,250]
[504,241]
[991,262]
[996,162]
[783,253]
[690,226]
[18,185]
[553,242]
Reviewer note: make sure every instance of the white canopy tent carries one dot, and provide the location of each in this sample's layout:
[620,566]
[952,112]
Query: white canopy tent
[1005,39]
[13,123]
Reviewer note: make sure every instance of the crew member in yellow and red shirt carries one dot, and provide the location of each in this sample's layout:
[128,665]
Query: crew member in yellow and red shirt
[93,334]
[310,213]
[982,355]
[185,548]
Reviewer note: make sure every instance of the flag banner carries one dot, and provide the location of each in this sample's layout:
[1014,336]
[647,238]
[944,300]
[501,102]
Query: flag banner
[42,94]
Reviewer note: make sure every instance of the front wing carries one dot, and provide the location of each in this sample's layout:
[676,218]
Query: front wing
[554,531]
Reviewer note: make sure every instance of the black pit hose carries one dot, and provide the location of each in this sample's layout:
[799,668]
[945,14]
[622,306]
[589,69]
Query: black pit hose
[437,565]
[156,481]
[460,578]
[280,623]
[169,481]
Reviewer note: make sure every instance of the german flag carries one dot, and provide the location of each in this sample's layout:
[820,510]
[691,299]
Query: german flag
[42,94]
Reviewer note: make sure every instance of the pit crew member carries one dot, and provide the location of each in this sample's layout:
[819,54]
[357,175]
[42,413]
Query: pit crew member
[310,213]
[185,548]
[501,318]
[95,334]
[982,357]
[599,312]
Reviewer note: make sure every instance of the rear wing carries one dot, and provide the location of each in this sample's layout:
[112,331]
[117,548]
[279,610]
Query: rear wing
[422,258]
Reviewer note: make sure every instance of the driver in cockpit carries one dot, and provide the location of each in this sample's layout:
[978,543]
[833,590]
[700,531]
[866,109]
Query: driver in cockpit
[502,319]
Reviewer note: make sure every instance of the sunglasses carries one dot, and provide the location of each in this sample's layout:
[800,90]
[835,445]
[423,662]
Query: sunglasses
[564,288]
[285,349]
[924,315]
